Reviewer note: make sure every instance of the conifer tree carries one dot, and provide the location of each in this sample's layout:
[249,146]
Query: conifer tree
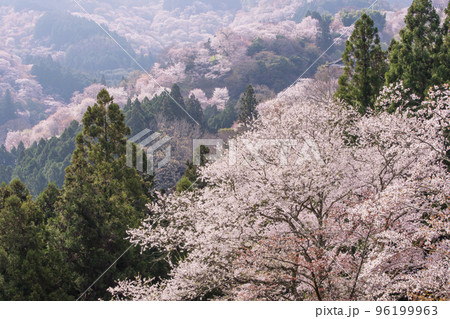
[47,200]
[28,271]
[194,108]
[442,62]
[101,198]
[412,60]
[127,107]
[136,118]
[248,111]
[365,66]
[173,104]
[324,39]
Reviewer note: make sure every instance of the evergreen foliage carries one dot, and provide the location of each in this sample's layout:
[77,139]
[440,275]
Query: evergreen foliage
[173,104]
[441,74]
[54,248]
[28,269]
[194,108]
[324,40]
[350,17]
[58,80]
[87,47]
[365,66]
[414,59]
[191,178]
[101,198]
[334,6]
[45,162]
[248,112]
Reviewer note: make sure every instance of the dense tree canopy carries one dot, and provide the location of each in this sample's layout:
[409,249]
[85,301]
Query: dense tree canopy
[45,162]
[53,248]
[58,80]
[28,269]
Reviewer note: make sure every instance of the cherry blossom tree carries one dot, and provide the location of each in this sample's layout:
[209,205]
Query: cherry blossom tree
[220,98]
[316,202]
[200,95]
[16,29]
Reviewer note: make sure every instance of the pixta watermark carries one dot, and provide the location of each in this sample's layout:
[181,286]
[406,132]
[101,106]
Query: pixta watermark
[148,144]
[280,152]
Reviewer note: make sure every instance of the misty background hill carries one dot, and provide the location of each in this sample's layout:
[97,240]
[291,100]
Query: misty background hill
[55,56]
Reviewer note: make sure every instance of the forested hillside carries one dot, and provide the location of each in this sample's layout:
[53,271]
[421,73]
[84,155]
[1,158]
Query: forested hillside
[239,150]
[44,162]
[57,51]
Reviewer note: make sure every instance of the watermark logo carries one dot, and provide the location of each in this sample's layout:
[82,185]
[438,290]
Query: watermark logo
[282,152]
[149,144]
[148,151]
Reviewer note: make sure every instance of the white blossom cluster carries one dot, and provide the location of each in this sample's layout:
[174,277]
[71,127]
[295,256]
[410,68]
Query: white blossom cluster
[357,209]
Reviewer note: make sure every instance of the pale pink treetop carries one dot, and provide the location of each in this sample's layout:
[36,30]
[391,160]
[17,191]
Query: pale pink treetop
[315,202]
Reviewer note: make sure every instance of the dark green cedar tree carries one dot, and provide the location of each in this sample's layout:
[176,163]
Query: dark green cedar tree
[414,59]
[365,66]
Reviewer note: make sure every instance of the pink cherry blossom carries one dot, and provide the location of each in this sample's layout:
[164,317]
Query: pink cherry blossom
[363,218]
